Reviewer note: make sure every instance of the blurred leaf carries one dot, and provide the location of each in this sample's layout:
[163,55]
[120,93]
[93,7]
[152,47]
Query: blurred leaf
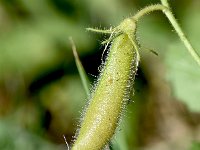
[81,70]
[64,99]
[195,146]
[15,138]
[182,71]
[184,75]
[109,12]
[28,48]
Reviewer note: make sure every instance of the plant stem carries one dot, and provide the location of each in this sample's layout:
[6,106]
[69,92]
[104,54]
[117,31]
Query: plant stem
[147,10]
[179,31]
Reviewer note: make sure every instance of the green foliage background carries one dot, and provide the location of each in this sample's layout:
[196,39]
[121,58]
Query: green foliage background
[41,95]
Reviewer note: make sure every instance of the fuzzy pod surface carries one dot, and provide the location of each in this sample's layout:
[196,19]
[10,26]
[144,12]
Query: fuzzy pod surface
[111,94]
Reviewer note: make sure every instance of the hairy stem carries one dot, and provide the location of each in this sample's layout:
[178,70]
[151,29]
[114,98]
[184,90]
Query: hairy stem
[179,31]
[147,10]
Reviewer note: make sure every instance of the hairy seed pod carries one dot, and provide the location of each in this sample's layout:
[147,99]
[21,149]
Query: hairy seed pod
[110,96]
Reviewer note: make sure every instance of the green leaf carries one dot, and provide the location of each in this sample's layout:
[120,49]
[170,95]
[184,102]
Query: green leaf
[182,71]
[195,146]
[184,75]
[16,138]
[81,70]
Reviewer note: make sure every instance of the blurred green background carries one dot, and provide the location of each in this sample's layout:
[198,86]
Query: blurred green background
[41,95]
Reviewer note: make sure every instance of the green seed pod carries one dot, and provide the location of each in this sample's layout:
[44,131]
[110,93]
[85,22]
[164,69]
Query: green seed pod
[110,96]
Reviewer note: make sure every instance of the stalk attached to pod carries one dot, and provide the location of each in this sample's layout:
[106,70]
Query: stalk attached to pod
[115,83]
